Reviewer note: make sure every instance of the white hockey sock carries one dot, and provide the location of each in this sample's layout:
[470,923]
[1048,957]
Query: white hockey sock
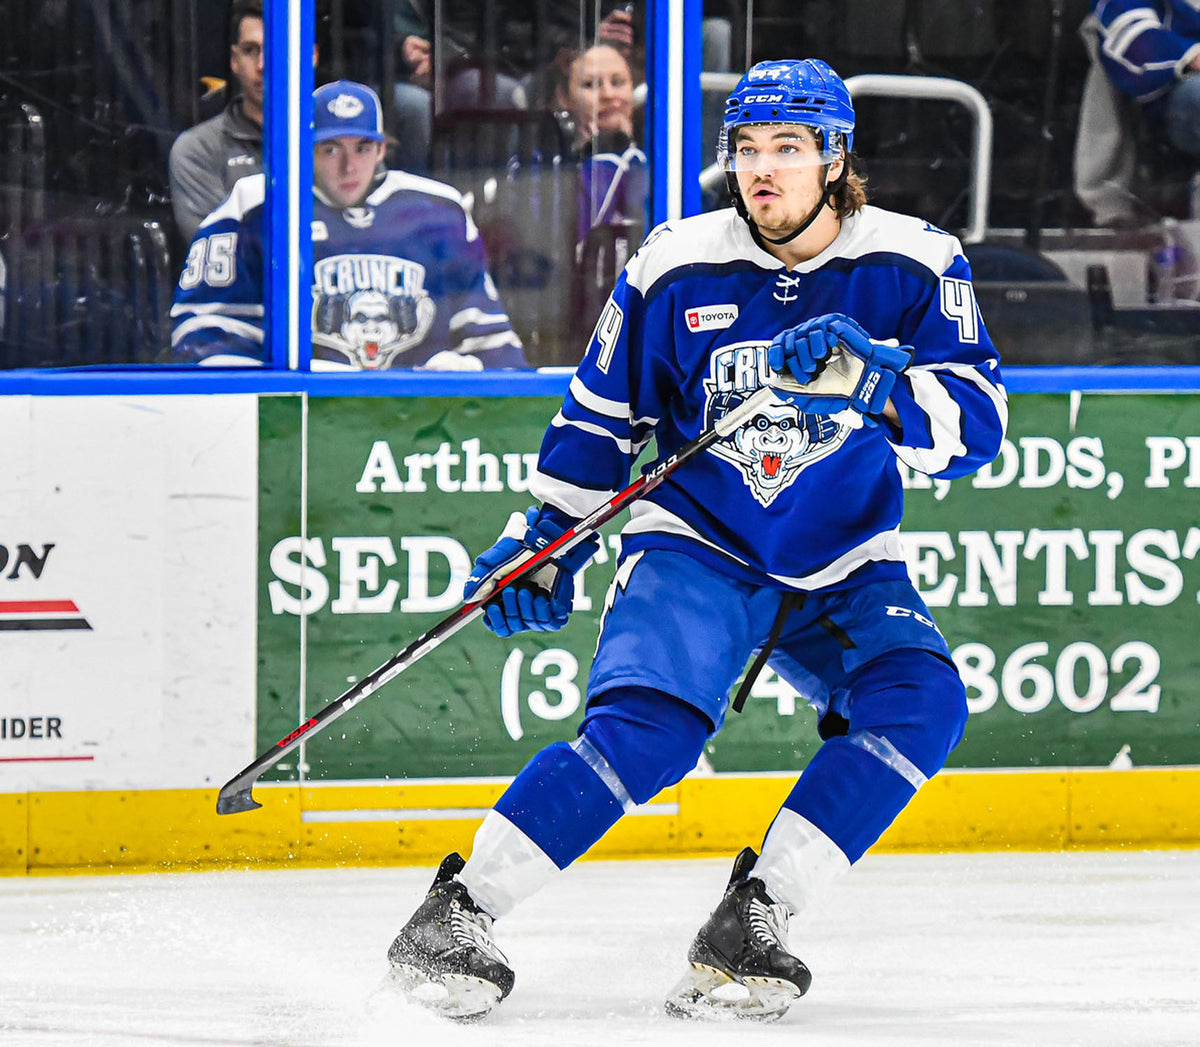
[505,866]
[797,860]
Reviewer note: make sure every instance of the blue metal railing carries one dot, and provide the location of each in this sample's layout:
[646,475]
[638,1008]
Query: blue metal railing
[552,382]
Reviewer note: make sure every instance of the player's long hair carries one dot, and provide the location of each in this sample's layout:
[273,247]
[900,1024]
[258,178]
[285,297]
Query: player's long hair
[851,196]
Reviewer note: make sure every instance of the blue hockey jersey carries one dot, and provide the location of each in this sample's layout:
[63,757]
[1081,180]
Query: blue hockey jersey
[395,282]
[790,500]
[1145,45]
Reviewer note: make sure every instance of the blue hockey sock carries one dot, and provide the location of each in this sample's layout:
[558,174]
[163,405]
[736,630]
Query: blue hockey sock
[633,742]
[560,803]
[849,795]
[906,712]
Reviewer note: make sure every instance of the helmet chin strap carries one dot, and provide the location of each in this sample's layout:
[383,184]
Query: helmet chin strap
[829,193]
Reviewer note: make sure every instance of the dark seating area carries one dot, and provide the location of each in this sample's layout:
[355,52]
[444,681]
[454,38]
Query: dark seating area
[1024,56]
[94,92]
[92,95]
[88,291]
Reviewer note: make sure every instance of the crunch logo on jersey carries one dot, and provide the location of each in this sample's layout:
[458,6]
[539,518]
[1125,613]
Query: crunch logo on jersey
[711,317]
[368,309]
[774,447]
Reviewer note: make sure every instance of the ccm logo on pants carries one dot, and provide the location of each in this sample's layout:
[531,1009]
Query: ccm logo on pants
[906,612]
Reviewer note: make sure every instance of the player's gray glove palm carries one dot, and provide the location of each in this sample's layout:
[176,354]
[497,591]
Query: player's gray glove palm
[804,349]
[540,601]
[839,368]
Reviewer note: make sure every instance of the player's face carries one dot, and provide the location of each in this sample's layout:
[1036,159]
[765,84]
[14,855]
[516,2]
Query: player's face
[343,168]
[601,92]
[246,61]
[780,173]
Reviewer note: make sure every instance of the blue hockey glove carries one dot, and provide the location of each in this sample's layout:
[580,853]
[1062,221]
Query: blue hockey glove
[803,349]
[542,601]
[851,379]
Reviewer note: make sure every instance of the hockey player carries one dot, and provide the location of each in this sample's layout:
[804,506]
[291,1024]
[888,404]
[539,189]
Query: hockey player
[783,538]
[400,274]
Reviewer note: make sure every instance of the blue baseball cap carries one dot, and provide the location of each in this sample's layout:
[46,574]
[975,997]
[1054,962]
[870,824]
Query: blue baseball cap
[346,108]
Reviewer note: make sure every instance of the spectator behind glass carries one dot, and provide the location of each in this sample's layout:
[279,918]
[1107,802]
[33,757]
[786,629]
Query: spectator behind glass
[400,274]
[1150,49]
[596,112]
[206,160]
[511,63]
[597,96]
[413,28]
[1144,52]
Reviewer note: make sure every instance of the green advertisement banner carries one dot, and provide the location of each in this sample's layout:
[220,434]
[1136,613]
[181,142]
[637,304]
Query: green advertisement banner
[1065,576]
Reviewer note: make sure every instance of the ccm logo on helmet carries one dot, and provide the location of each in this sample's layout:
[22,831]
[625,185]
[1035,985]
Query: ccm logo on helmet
[751,99]
[711,317]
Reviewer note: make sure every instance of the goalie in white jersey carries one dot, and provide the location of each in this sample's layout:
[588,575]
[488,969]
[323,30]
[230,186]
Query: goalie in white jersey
[782,539]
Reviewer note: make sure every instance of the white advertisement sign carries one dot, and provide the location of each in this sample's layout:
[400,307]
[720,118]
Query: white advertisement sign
[127,590]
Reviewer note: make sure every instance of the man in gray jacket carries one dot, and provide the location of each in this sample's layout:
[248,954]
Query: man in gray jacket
[207,159]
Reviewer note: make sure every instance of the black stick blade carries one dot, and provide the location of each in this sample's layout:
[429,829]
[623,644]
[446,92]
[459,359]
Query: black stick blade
[232,800]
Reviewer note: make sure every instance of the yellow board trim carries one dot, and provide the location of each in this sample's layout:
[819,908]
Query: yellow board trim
[418,823]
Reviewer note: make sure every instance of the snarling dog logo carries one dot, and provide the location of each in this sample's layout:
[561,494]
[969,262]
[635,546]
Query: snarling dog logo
[370,308]
[369,325]
[778,443]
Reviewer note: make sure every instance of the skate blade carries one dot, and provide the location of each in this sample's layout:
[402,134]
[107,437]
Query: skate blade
[460,997]
[707,994]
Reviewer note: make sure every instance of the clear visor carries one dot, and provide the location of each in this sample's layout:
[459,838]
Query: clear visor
[775,147]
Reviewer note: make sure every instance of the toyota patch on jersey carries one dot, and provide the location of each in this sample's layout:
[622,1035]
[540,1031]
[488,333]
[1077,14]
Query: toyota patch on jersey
[711,317]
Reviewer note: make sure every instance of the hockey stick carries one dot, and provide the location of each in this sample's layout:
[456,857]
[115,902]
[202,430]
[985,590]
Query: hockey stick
[236,794]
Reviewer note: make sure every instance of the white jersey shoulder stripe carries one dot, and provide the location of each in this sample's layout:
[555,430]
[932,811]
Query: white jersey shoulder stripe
[478,317]
[219,308]
[1123,29]
[945,425]
[876,231]
[615,409]
[649,518]
[721,238]
[715,238]
[216,323]
[560,421]
[570,498]
[483,342]
[396,181]
[247,193]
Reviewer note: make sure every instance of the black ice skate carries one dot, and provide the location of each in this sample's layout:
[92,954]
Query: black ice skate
[740,965]
[445,958]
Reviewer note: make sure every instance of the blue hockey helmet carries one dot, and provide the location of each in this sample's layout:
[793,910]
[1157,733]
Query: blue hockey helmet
[806,92]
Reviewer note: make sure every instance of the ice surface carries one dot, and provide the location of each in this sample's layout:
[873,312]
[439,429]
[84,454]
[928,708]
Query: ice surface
[1026,949]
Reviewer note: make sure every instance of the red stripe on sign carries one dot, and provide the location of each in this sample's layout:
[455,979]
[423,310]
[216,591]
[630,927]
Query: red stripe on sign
[34,606]
[41,759]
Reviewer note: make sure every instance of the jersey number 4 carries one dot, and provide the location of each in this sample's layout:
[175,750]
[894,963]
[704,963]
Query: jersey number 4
[608,329]
[958,306]
[210,261]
